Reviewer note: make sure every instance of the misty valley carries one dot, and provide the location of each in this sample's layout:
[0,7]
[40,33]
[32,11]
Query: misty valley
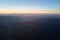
[29,27]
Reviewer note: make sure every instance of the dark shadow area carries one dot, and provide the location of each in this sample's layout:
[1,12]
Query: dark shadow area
[38,27]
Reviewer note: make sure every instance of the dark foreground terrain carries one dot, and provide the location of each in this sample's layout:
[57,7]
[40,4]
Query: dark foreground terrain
[32,27]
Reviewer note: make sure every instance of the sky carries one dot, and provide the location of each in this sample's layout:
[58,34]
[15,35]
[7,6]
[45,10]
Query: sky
[29,6]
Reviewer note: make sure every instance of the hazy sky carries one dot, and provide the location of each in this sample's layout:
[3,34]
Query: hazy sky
[18,5]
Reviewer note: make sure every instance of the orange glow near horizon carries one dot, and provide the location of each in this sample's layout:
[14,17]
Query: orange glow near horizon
[26,11]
